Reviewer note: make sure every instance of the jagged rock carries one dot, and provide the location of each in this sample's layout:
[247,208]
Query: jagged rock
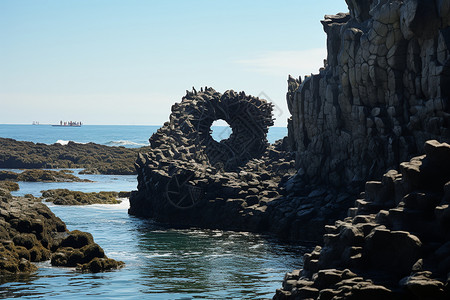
[381,99]
[394,251]
[398,253]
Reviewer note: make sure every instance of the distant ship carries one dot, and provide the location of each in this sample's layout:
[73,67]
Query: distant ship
[68,124]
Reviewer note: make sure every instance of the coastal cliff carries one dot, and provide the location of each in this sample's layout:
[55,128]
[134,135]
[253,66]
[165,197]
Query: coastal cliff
[382,92]
[380,101]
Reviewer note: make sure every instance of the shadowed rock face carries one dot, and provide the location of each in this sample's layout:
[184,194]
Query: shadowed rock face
[395,244]
[382,93]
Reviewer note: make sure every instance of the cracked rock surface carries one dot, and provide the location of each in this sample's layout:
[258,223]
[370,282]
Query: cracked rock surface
[394,244]
[382,93]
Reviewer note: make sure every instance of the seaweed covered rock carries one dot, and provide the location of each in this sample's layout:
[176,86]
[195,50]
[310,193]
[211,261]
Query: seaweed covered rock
[103,159]
[30,232]
[67,197]
[78,250]
[395,242]
[12,260]
[9,186]
[100,264]
[41,175]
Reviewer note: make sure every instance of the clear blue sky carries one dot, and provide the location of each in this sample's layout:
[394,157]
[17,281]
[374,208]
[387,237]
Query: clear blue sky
[128,61]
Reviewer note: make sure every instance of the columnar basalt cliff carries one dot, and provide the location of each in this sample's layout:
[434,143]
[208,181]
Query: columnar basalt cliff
[382,93]
[381,98]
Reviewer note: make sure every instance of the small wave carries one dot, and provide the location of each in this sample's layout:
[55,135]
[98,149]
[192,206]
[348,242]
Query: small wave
[123,205]
[154,255]
[64,142]
[124,143]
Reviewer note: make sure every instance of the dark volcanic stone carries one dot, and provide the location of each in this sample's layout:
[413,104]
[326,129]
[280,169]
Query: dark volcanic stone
[399,253]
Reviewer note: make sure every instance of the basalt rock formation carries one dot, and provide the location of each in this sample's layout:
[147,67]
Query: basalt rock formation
[190,126]
[382,93]
[189,179]
[395,244]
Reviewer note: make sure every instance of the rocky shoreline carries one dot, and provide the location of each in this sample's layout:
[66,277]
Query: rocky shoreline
[30,232]
[380,100]
[94,158]
[187,177]
[35,175]
[189,180]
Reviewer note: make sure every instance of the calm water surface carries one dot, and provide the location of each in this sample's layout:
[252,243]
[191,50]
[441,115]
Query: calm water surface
[161,263]
[111,135]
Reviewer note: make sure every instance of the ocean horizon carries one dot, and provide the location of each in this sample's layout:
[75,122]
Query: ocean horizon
[130,136]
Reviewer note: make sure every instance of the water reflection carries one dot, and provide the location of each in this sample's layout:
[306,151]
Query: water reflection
[211,264]
[162,263]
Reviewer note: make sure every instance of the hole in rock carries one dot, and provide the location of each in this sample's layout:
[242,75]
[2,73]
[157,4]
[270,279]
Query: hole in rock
[220,130]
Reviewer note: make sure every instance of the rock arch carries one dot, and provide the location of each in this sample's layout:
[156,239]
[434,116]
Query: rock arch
[249,118]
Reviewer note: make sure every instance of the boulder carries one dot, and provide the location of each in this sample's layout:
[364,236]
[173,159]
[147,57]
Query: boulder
[30,232]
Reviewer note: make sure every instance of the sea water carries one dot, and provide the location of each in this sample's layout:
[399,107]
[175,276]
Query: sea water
[161,263]
[131,136]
